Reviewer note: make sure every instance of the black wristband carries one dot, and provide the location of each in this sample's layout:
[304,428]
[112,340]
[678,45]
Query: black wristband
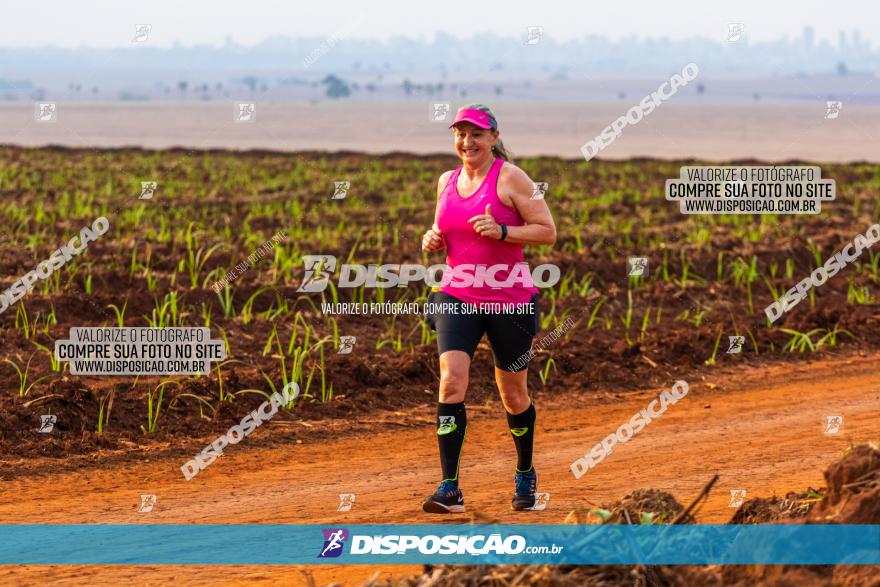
[503,231]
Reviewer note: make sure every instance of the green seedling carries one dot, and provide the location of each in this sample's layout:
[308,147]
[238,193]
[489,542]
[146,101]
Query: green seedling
[23,387]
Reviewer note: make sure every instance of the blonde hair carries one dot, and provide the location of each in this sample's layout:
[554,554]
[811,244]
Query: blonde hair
[499,149]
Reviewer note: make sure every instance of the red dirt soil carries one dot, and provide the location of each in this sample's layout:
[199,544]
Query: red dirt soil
[759,429]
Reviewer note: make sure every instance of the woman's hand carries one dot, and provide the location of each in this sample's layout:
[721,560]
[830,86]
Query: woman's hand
[432,241]
[485,225]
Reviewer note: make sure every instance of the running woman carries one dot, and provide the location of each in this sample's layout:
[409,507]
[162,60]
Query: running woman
[485,214]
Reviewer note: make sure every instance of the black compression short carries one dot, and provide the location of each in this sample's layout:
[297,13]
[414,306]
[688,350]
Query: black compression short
[510,334]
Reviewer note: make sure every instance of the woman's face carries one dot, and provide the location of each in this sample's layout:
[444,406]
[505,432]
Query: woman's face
[474,144]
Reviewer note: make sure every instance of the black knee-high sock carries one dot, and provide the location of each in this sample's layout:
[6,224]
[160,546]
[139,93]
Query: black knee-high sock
[451,426]
[522,427]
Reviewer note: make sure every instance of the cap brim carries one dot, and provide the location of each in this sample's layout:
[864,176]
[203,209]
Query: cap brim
[472,121]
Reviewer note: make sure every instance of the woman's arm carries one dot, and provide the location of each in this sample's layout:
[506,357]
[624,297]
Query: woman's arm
[539,228]
[441,185]
[433,240]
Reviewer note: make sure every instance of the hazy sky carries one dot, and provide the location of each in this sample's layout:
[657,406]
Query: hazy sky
[109,23]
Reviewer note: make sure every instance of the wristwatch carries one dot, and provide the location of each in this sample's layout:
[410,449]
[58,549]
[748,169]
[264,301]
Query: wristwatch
[503,231]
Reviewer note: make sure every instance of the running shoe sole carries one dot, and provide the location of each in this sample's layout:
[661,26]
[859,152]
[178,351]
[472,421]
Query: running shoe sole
[434,507]
[521,506]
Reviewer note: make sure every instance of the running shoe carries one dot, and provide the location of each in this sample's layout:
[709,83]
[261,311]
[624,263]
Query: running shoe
[446,500]
[526,486]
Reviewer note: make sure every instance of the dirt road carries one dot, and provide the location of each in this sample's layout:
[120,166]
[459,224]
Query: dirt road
[760,430]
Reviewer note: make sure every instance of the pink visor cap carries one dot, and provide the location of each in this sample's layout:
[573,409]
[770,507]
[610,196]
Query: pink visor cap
[474,116]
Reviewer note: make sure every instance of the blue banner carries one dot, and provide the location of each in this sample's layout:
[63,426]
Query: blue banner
[289,544]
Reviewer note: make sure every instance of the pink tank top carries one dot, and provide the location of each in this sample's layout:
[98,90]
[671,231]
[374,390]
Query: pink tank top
[465,246]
